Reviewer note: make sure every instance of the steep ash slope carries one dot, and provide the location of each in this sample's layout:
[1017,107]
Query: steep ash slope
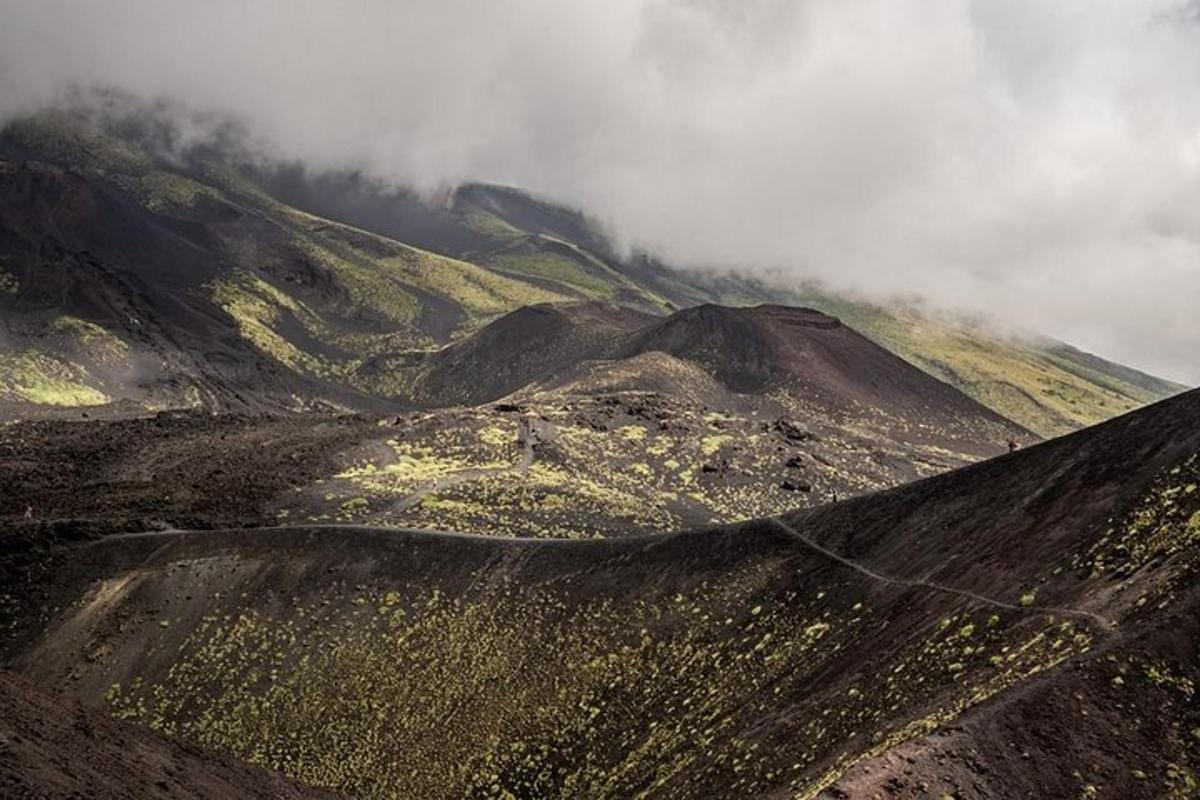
[775,658]
[798,355]
[51,748]
[763,347]
[127,277]
[522,346]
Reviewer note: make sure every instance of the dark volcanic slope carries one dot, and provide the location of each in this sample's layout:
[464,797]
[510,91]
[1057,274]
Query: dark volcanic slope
[747,661]
[126,294]
[124,277]
[194,470]
[638,440]
[1048,387]
[752,350]
[523,346]
[820,369]
[760,348]
[140,279]
[51,748]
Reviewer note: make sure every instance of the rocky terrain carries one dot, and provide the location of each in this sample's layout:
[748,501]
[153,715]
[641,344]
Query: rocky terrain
[657,435]
[906,643]
[311,487]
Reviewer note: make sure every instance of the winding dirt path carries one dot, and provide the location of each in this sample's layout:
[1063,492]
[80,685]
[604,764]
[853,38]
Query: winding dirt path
[940,587]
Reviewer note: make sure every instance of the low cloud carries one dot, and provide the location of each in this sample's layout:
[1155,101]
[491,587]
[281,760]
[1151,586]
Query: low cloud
[1037,162]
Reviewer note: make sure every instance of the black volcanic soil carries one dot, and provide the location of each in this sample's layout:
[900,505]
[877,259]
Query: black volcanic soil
[182,469]
[73,481]
[1021,627]
[806,361]
[757,349]
[525,345]
[51,748]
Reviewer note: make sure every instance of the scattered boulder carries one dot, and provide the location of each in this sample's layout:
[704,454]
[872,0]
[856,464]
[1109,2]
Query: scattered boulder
[793,432]
[795,486]
[535,431]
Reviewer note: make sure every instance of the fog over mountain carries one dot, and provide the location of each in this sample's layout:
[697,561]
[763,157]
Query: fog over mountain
[1037,162]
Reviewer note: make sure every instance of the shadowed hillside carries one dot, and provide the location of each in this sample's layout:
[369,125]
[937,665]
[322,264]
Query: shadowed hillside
[523,346]
[644,427]
[128,279]
[50,748]
[135,276]
[765,347]
[902,642]
[1047,386]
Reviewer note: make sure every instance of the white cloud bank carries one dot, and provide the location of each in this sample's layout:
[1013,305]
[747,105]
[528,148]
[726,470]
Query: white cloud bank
[1037,161]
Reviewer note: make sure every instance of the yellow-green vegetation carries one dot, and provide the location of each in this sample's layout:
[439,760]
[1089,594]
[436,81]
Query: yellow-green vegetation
[71,139]
[584,483]
[99,343]
[480,293]
[378,487]
[375,295]
[34,377]
[1164,674]
[1022,380]
[489,224]
[165,191]
[388,691]
[713,442]
[369,286]
[1180,783]
[633,433]
[604,471]
[547,501]
[1163,522]
[256,307]
[387,278]
[574,269]
[555,268]
[411,465]
[381,280]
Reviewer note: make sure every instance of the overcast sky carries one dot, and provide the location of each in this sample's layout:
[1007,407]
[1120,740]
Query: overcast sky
[1036,160]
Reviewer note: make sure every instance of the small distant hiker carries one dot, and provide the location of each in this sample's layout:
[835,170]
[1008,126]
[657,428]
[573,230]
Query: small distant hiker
[28,512]
[1013,445]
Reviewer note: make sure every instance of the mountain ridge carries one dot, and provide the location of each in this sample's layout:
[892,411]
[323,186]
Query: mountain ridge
[309,298]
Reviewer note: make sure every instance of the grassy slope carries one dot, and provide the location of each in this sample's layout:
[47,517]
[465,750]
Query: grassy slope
[371,294]
[573,270]
[388,296]
[1048,387]
[1025,380]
